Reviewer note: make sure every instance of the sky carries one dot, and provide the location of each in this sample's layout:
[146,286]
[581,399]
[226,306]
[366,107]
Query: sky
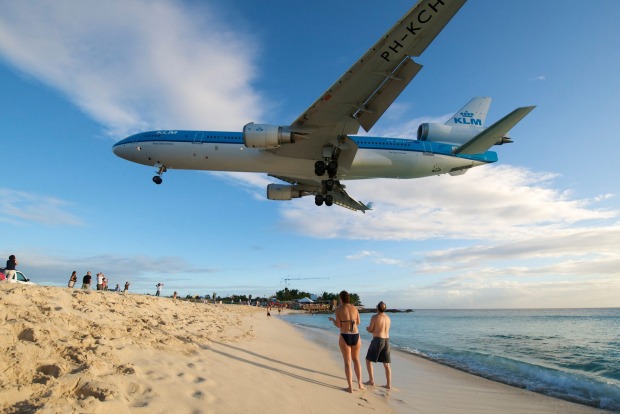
[538,229]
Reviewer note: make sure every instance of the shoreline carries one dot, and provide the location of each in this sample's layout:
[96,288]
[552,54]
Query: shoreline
[411,386]
[75,351]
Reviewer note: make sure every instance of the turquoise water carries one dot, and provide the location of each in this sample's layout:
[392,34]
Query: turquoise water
[573,354]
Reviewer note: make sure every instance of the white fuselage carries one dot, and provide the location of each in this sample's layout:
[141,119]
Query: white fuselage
[375,157]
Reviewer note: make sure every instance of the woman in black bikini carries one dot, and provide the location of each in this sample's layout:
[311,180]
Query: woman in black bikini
[347,320]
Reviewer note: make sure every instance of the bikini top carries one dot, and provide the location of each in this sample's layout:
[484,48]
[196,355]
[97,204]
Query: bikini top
[350,326]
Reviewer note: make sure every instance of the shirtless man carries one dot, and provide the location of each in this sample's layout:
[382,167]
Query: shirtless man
[347,320]
[379,349]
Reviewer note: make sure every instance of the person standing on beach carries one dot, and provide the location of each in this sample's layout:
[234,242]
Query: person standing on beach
[72,279]
[99,281]
[379,349]
[9,271]
[347,320]
[158,286]
[126,288]
[86,281]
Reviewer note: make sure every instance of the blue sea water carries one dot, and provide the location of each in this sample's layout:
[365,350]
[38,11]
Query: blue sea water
[573,354]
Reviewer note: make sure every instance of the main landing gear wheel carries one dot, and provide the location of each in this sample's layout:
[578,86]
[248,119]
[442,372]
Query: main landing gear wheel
[320,199]
[319,168]
[332,168]
[157,179]
[329,184]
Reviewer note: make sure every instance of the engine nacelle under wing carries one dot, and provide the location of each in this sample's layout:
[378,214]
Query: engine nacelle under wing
[446,134]
[266,136]
[282,192]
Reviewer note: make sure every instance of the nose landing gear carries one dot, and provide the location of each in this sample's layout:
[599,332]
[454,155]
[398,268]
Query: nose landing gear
[157,179]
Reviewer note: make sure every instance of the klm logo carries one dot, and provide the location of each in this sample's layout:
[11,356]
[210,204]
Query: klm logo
[467,118]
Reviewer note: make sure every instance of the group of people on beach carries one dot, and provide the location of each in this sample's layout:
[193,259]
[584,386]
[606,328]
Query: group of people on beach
[347,320]
[102,282]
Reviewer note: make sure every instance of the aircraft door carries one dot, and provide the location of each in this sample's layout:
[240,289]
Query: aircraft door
[198,137]
[428,148]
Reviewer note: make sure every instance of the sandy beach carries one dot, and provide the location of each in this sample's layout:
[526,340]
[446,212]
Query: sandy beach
[75,351]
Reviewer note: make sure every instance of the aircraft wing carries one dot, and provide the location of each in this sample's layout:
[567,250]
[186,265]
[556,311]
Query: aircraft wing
[368,88]
[344,200]
[340,196]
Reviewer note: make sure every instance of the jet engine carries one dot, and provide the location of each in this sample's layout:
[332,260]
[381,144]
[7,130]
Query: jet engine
[453,135]
[283,192]
[266,136]
[446,134]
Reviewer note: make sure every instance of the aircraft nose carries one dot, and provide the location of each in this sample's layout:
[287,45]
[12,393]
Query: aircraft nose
[123,148]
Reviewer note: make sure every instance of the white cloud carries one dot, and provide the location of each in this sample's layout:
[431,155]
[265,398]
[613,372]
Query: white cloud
[539,78]
[135,65]
[376,257]
[21,208]
[491,203]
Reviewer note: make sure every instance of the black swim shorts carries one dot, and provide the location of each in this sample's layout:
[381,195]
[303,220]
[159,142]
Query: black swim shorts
[379,350]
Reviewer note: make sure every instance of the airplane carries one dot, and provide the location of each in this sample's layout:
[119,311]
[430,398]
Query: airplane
[321,148]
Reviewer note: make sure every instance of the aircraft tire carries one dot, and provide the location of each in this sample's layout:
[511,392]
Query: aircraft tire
[157,180]
[332,169]
[319,168]
[318,200]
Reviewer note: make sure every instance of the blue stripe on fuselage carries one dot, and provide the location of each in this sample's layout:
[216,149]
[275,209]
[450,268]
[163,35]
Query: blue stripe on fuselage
[404,144]
[363,142]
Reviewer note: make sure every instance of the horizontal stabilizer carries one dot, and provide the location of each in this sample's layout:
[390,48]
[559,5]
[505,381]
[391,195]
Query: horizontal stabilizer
[493,134]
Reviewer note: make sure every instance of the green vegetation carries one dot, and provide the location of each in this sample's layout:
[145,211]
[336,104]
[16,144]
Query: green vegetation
[294,294]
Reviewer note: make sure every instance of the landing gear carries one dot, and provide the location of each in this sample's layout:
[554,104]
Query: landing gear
[327,199]
[331,168]
[319,168]
[157,179]
[329,165]
[329,184]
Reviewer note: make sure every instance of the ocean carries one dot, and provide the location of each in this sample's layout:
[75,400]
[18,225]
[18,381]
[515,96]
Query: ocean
[572,354]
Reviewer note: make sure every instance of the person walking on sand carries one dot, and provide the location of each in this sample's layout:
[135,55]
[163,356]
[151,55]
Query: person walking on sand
[347,320]
[379,349]
[126,288]
[86,281]
[159,286]
[9,271]
[72,279]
